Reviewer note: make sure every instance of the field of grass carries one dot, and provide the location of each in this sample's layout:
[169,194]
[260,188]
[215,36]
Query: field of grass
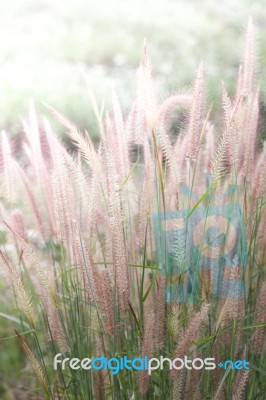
[150,241]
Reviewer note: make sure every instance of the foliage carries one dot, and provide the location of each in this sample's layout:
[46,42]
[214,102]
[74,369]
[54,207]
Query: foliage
[79,247]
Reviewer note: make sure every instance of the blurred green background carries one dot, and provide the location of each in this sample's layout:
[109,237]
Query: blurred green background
[47,45]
